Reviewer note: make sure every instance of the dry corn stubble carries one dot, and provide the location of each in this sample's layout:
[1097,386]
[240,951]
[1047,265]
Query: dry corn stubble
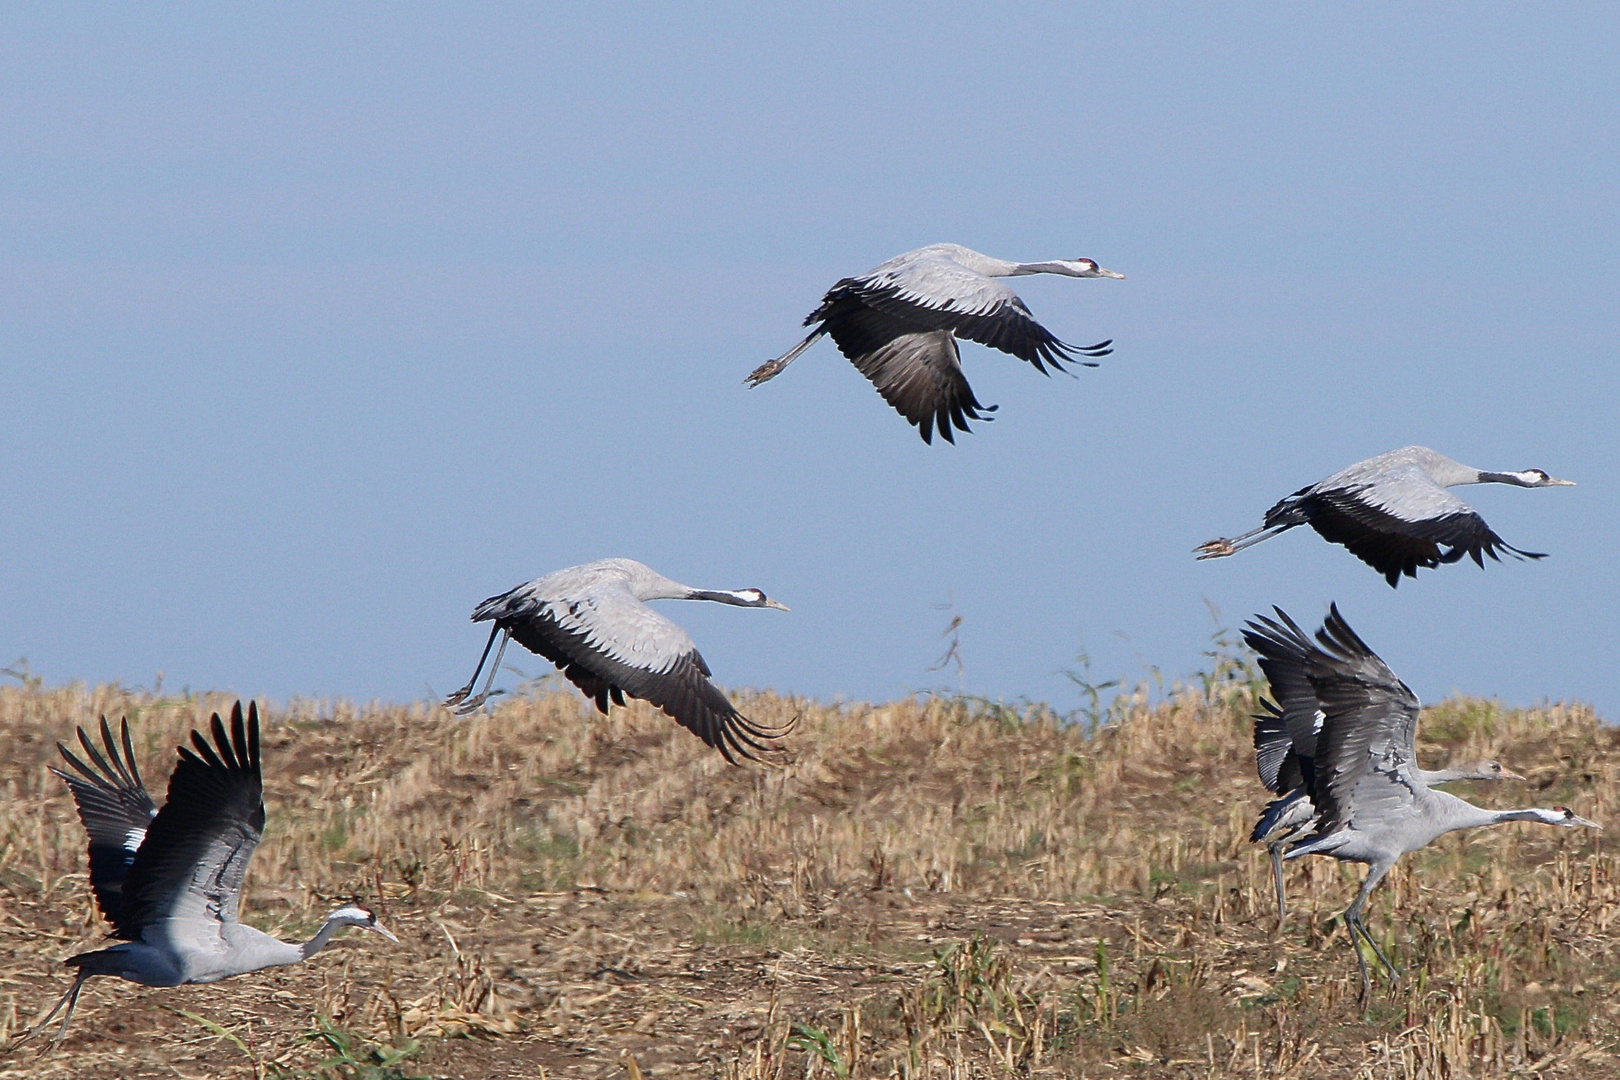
[930,888]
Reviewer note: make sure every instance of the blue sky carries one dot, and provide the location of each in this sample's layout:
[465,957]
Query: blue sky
[317,326]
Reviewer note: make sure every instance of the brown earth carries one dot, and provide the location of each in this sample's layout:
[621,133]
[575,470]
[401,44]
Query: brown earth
[936,888]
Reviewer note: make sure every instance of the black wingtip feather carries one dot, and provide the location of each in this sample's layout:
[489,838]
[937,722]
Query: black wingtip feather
[1282,635]
[133,773]
[253,737]
[745,736]
[80,767]
[201,747]
[1338,640]
[239,735]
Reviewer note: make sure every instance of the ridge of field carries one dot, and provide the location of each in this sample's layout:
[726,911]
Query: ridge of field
[934,887]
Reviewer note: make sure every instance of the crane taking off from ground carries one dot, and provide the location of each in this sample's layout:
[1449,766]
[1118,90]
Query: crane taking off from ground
[593,622]
[1394,513]
[1373,805]
[170,881]
[1285,735]
[898,324]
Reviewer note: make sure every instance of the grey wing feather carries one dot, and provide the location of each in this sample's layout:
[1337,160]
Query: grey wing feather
[920,375]
[1366,760]
[1274,756]
[1281,659]
[1284,818]
[197,849]
[916,367]
[115,808]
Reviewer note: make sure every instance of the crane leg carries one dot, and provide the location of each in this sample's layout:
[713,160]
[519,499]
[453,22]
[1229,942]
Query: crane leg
[1389,968]
[461,695]
[459,700]
[472,704]
[1356,925]
[1216,549]
[1361,961]
[772,368]
[1277,879]
[69,999]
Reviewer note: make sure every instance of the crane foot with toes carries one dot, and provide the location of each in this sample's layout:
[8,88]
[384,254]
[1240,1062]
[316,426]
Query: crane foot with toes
[1214,549]
[764,373]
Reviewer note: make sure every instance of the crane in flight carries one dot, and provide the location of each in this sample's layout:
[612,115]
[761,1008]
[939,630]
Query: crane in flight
[898,323]
[1394,513]
[593,622]
[170,881]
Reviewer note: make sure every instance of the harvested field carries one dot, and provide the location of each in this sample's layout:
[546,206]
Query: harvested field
[932,888]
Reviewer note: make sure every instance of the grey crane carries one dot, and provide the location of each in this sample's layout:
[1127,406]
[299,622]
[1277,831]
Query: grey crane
[1394,513]
[170,881]
[898,324]
[1373,804]
[593,622]
[1284,755]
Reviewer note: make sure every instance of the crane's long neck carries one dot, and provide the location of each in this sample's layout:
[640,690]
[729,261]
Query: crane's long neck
[1021,269]
[322,937]
[719,596]
[989,265]
[1461,814]
[1501,478]
[663,588]
[1446,775]
[1448,473]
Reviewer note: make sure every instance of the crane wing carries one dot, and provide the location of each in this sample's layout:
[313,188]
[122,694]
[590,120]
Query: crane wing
[1284,667]
[1401,523]
[1283,817]
[116,811]
[197,849]
[941,294]
[1366,762]
[917,370]
[1285,732]
[609,644]
[1280,768]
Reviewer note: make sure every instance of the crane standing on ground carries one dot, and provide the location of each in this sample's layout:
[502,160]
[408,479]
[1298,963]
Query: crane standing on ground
[170,881]
[1373,804]
[1394,513]
[898,324]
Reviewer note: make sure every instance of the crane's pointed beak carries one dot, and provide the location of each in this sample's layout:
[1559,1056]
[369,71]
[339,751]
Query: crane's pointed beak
[1553,481]
[1509,774]
[1102,272]
[378,927]
[777,606]
[1577,820]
